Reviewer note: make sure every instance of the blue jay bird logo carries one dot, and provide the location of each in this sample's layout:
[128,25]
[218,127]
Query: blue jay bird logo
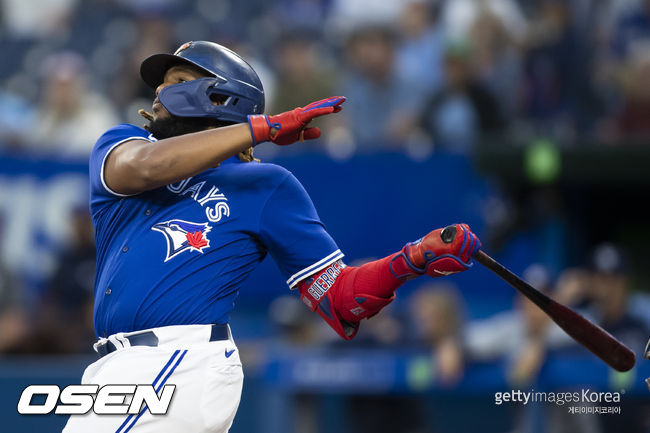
[183,236]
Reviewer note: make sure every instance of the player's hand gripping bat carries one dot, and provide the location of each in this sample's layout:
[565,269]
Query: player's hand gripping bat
[600,342]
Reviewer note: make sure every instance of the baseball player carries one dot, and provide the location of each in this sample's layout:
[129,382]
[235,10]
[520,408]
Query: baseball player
[183,213]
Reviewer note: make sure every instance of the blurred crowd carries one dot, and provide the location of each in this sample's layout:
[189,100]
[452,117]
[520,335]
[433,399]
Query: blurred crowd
[421,75]
[65,306]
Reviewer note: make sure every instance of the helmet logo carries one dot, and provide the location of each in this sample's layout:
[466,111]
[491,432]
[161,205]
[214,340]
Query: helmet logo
[183,47]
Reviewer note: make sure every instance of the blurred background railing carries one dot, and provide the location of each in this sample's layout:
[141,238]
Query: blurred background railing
[529,120]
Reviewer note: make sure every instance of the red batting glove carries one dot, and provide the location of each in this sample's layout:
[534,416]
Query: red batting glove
[290,126]
[442,252]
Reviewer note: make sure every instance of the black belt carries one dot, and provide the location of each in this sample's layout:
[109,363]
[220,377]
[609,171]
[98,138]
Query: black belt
[149,338]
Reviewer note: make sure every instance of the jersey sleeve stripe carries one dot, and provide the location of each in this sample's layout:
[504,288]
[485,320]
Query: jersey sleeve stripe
[101,170]
[318,266]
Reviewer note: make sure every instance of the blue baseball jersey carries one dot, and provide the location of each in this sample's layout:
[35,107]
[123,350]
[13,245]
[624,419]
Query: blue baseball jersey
[177,255]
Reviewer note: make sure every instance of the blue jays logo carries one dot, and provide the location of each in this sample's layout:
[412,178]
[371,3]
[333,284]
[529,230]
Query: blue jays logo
[183,236]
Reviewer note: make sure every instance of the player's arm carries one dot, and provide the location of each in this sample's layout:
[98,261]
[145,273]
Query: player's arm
[291,230]
[140,165]
[343,295]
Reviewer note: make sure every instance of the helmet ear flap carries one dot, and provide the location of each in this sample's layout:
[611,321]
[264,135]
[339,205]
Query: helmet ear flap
[210,97]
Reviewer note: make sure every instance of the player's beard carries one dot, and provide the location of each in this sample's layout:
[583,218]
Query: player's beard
[174,126]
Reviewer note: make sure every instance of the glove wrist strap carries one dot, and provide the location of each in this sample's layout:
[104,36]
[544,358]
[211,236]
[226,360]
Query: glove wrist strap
[402,268]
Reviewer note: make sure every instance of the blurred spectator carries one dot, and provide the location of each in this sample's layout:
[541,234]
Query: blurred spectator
[151,5]
[463,108]
[304,72]
[71,115]
[347,15]
[521,335]
[532,354]
[16,120]
[497,60]
[129,92]
[633,120]
[558,95]
[610,13]
[297,326]
[436,312]
[632,32]
[36,18]
[13,317]
[603,290]
[379,105]
[573,286]
[459,17]
[307,13]
[67,305]
[420,51]
[69,299]
[610,291]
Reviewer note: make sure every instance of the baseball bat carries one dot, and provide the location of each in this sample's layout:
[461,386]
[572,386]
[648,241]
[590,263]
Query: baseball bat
[600,342]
